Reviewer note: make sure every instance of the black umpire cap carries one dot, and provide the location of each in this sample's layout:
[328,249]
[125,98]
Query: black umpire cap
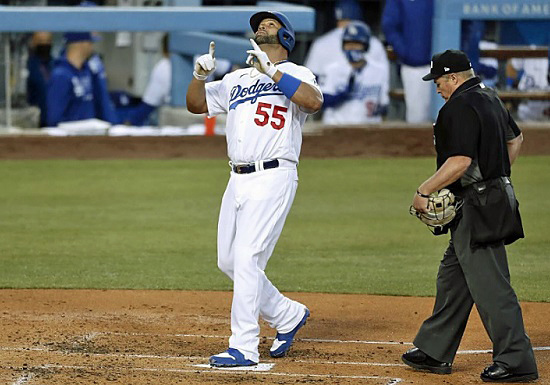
[448,62]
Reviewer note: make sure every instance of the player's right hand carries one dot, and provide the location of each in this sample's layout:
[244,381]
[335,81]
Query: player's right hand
[205,64]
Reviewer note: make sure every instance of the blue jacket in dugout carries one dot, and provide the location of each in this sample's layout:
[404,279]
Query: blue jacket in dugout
[70,93]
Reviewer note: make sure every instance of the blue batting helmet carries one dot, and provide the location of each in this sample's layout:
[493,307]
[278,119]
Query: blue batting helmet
[348,9]
[285,33]
[359,32]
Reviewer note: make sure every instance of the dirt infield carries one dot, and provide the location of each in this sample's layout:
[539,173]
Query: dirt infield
[337,142]
[163,337]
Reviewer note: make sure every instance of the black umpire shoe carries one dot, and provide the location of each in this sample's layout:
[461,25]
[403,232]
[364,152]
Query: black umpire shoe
[496,373]
[419,360]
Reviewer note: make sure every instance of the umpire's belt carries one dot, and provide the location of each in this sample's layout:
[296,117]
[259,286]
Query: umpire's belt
[247,168]
[496,182]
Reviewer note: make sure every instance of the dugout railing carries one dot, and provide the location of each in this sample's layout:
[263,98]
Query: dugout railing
[500,53]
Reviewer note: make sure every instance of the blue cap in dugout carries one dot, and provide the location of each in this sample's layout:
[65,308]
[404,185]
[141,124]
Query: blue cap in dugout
[359,32]
[73,37]
[285,33]
[348,10]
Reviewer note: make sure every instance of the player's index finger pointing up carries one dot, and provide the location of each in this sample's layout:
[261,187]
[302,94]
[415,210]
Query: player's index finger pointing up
[254,45]
[212,48]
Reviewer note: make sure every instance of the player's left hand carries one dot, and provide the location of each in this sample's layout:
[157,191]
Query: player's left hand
[259,60]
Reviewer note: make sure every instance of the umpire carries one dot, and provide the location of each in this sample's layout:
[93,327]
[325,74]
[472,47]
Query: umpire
[476,141]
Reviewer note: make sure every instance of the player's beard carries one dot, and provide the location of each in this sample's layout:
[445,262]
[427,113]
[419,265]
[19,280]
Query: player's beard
[266,39]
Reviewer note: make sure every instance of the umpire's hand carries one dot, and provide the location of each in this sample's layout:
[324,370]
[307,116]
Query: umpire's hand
[420,203]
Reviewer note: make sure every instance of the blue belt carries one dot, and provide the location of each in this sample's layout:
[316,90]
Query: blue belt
[251,167]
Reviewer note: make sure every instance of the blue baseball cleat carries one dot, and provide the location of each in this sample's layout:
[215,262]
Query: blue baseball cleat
[230,358]
[283,341]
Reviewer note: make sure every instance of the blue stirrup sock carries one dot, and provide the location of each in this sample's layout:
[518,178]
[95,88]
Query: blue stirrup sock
[288,85]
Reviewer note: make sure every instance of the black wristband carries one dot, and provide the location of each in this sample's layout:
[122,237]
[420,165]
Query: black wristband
[422,195]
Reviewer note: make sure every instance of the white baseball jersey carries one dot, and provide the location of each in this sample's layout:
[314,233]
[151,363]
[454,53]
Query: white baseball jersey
[369,93]
[418,93]
[159,86]
[262,123]
[535,77]
[328,49]
[489,62]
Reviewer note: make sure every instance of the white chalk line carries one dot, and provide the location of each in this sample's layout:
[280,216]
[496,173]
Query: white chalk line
[134,355]
[536,348]
[391,380]
[346,363]
[189,358]
[268,338]
[24,379]
[539,348]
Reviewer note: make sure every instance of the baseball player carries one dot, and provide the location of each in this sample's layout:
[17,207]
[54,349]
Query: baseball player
[407,26]
[266,106]
[158,88]
[70,93]
[356,91]
[326,49]
[533,75]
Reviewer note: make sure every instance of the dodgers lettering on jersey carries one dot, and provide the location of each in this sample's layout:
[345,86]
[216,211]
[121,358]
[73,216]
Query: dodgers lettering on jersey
[262,123]
[240,94]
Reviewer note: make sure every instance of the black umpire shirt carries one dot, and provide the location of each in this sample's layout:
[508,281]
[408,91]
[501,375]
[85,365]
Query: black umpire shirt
[475,123]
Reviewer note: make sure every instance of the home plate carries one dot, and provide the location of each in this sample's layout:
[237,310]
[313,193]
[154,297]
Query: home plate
[256,368]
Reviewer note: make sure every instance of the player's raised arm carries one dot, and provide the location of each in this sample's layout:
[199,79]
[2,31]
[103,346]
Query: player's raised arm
[196,94]
[301,93]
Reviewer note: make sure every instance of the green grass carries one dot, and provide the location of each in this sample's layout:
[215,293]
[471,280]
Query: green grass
[152,224]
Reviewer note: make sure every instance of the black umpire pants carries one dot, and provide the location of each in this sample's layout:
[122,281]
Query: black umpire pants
[481,276]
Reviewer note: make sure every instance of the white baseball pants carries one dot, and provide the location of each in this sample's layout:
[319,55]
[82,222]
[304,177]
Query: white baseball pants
[418,93]
[253,212]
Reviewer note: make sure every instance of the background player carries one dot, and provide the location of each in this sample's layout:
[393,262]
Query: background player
[70,94]
[531,75]
[326,49]
[408,28]
[158,90]
[355,91]
[39,65]
[266,107]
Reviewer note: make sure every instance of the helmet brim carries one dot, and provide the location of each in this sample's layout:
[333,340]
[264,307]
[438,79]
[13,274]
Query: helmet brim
[257,18]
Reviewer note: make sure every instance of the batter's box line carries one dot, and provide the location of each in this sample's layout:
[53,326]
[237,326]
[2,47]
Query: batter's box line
[24,379]
[268,338]
[536,348]
[190,358]
[483,351]
[391,380]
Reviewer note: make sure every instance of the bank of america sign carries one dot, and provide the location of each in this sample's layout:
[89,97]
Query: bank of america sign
[541,8]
